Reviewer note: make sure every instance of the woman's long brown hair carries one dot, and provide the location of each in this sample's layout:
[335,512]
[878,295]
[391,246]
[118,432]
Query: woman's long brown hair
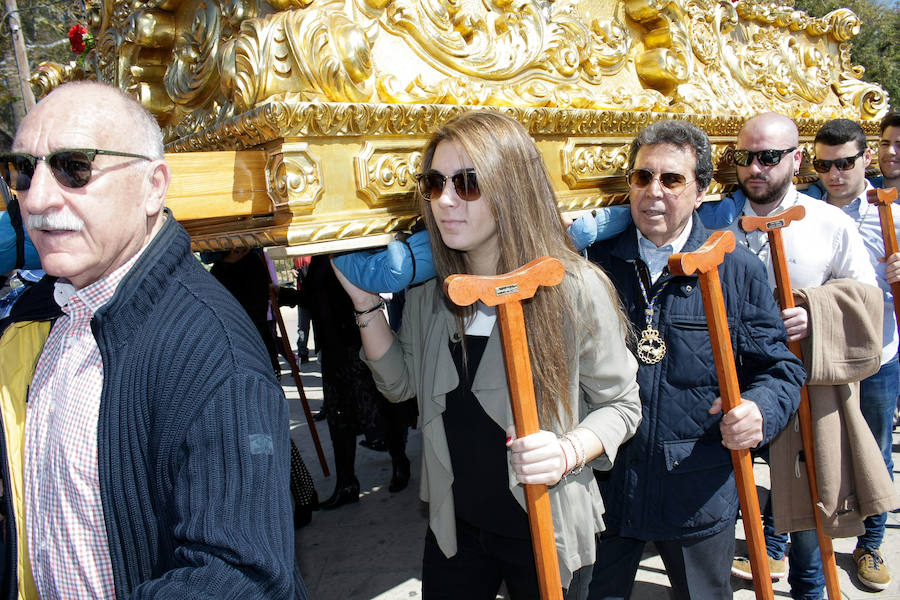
[515,184]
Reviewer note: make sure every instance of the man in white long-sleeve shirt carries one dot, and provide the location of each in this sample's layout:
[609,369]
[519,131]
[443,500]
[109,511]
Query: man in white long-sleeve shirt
[841,160]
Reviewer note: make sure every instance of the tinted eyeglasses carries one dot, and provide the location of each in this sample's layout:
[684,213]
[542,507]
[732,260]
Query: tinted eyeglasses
[641,178]
[767,158]
[843,164]
[431,183]
[71,168]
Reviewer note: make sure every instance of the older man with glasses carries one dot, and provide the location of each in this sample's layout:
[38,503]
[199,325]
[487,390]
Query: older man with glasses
[673,483]
[154,459]
[841,159]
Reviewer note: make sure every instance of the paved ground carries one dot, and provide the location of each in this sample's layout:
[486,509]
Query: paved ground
[372,550]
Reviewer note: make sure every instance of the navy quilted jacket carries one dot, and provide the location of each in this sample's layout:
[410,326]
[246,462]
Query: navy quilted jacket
[674,478]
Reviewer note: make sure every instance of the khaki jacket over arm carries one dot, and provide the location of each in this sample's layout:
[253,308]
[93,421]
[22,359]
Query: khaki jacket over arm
[602,392]
[844,347]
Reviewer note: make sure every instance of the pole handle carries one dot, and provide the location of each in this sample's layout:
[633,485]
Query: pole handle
[705,258]
[768,223]
[517,285]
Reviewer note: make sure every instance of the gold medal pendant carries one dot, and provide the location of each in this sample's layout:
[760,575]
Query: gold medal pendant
[651,347]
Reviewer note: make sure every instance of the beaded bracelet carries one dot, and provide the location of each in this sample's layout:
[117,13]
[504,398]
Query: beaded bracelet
[580,456]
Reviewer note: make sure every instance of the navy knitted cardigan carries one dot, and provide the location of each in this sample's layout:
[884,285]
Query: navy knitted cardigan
[193,437]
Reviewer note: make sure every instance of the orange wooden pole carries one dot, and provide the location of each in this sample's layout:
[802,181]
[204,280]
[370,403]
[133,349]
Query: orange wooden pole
[772,225]
[506,292]
[884,198]
[295,372]
[706,260]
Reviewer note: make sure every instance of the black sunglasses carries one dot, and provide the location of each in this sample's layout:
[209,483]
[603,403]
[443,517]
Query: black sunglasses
[843,164]
[767,158]
[641,178]
[431,183]
[71,168]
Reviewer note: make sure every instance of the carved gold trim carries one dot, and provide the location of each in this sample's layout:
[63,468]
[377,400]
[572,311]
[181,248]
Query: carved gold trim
[294,178]
[358,225]
[588,160]
[385,171]
[326,119]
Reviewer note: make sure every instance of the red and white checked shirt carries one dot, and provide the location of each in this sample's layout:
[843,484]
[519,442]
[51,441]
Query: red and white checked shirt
[67,541]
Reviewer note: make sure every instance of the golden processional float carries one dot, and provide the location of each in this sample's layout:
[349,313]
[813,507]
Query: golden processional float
[299,123]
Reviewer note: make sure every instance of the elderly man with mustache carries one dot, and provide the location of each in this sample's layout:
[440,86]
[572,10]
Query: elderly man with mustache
[153,459]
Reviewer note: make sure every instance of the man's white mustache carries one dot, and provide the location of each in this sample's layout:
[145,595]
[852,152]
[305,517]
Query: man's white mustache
[59,220]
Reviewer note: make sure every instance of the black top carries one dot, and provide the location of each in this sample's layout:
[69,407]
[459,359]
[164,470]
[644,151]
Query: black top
[478,454]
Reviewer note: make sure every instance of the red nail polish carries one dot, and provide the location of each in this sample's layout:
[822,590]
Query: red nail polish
[508,440]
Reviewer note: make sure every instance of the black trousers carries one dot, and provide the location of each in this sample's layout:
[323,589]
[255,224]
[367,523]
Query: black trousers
[484,560]
[697,568]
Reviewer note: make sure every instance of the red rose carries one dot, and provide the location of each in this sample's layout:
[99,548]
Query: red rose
[76,37]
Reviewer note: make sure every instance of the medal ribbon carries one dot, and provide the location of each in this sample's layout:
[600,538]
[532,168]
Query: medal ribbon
[651,348]
[650,303]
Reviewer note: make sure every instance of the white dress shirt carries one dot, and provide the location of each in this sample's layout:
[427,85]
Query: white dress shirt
[865,217]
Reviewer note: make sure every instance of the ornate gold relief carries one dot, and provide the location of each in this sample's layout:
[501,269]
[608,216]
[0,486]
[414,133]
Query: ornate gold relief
[586,161]
[294,178]
[228,57]
[192,77]
[314,54]
[358,226]
[352,85]
[385,171]
[861,97]
[49,75]
[287,4]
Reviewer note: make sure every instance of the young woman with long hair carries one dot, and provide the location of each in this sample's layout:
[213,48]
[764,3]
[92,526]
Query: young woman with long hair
[490,209]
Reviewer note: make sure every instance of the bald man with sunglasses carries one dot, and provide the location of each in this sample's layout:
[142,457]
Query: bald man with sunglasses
[154,456]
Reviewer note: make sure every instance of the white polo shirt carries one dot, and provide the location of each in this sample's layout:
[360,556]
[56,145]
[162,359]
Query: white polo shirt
[824,245]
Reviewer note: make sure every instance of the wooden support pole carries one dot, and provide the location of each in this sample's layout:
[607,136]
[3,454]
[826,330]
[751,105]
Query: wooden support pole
[884,199]
[705,261]
[772,225]
[295,372]
[18,43]
[506,292]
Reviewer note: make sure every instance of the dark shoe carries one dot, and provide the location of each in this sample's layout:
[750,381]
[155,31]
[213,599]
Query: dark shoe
[302,516]
[342,495]
[376,445]
[399,475]
[319,416]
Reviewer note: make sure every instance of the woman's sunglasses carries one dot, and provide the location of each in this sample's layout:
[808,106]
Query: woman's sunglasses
[767,158]
[431,184]
[71,168]
[843,164]
[641,178]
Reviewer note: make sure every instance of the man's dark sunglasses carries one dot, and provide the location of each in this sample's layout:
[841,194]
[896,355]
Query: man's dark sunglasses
[641,178]
[843,164]
[767,158]
[71,168]
[431,183]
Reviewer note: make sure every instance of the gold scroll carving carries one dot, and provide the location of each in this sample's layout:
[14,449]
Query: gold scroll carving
[340,94]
